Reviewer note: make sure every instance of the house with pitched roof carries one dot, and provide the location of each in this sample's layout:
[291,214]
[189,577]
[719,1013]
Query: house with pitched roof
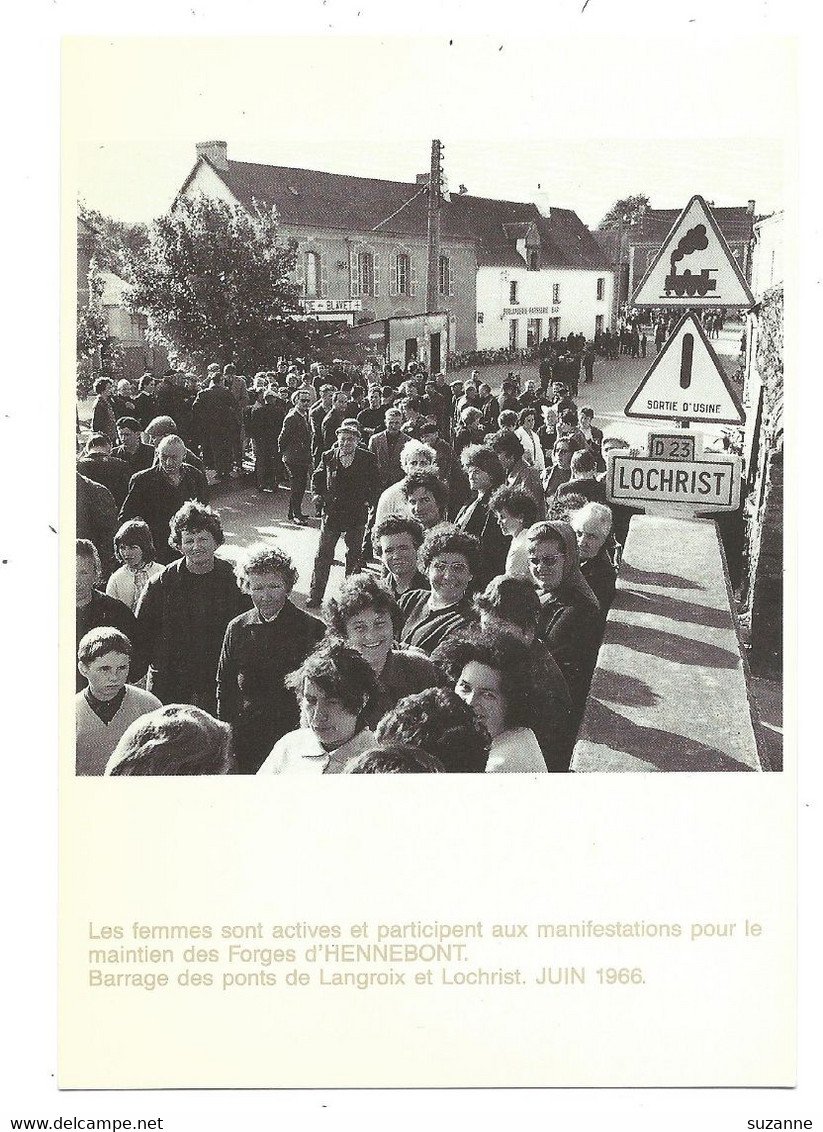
[361,242]
[540,273]
[362,255]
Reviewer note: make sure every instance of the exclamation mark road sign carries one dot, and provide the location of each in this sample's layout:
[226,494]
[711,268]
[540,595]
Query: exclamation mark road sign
[686,357]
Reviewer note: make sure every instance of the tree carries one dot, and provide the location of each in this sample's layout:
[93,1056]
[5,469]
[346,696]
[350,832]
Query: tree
[213,282]
[627,210]
[98,355]
[117,244]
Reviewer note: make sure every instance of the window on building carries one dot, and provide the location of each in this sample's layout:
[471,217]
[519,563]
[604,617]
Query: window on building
[365,273]
[598,324]
[554,329]
[513,292]
[514,334]
[312,280]
[444,276]
[533,260]
[556,293]
[601,288]
[402,274]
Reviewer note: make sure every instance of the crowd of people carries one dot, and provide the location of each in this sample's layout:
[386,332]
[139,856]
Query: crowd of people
[481,561]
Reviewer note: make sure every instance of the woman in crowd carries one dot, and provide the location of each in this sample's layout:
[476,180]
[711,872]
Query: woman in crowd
[177,739]
[511,606]
[364,615]
[426,498]
[493,675]
[93,608]
[414,457]
[108,705]
[134,549]
[184,611]
[485,474]
[571,621]
[259,649]
[448,558]
[560,470]
[440,724]
[592,524]
[396,545]
[332,686]
[515,511]
[532,445]
[145,407]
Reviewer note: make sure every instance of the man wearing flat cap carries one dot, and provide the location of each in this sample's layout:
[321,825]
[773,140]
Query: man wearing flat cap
[344,485]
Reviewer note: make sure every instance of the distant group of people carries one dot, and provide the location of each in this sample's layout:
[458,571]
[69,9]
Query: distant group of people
[480,565]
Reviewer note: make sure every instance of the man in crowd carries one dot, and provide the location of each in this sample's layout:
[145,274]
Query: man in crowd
[98,464]
[134,453]
[158,493]
[295,451]
[345,485]
[386,447]
[215,421]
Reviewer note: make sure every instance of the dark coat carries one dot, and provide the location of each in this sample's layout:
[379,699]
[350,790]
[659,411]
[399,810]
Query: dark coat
[256,657]
[477,519]
[347,493]
[154,498]
[388,464]
[182,659]
[295,439]
[96,519]
[139,461]
[572,629]
[103,419]
[214,413]
[108,471]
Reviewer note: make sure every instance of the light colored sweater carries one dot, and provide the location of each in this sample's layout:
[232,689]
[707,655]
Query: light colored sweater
[96,740]
[127,585]
[300,752]
[516,752]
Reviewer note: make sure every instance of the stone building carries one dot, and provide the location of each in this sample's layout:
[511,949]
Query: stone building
[509,273]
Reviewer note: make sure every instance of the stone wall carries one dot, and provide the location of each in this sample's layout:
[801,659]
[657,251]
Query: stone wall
[763,579]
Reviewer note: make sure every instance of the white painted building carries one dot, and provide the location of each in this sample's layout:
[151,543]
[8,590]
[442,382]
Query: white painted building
[540,274]
[519,308]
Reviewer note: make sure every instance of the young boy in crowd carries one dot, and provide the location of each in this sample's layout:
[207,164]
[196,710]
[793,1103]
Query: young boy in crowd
[108,706]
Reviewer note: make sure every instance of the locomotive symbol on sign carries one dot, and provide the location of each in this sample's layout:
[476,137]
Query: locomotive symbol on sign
[687,283]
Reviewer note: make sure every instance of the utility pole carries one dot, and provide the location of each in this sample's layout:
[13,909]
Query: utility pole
[433,227]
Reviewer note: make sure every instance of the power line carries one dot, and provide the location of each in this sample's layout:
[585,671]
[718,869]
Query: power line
[419,193]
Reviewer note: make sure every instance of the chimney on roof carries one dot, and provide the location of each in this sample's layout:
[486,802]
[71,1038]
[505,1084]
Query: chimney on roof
[750,207]
[541,202]
[461,192]
[216,152]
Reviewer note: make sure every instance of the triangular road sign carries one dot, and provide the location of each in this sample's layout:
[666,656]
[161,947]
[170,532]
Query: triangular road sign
[695,267]
[687,382]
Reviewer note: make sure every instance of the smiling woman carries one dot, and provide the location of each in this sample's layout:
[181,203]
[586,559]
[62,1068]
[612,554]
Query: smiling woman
[365,615]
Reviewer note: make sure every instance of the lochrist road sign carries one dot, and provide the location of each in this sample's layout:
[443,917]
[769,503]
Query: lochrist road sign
[687,382]
[682,480]
[694,267]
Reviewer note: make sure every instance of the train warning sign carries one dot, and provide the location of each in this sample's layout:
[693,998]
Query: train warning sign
[687,382]
[694,267]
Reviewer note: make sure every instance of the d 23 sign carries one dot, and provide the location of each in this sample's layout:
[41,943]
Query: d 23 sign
[671,446]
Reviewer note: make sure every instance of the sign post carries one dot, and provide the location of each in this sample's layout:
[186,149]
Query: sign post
[673,478]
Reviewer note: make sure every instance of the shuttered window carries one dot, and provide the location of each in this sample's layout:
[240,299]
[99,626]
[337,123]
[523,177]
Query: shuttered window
[402,274]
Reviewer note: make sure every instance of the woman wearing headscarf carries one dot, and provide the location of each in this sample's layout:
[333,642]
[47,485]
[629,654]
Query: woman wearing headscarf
[571,621]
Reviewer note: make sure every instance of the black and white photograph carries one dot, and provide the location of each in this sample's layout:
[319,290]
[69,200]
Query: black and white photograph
[369,463]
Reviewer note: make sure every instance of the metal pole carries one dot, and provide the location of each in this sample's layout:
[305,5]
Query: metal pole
[433,230]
